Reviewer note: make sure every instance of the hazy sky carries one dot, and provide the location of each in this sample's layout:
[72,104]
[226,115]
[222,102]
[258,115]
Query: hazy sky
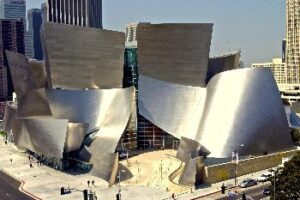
[257,27]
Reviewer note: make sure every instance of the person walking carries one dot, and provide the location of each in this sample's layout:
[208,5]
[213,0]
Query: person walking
[88,182]
[93,182]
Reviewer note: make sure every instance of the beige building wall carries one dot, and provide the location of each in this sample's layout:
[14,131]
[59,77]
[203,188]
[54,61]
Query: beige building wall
[277,67]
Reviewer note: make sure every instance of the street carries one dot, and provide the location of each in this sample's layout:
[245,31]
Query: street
[9,189]
[252,193]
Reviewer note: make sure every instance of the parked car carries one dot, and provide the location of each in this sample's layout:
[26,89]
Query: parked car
[267,191]
[248,183]
[265,177]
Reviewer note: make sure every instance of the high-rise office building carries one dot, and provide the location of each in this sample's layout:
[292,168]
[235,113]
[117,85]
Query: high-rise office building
[16,9]
[13,9]
[12,39]
[293,41]
[34,17]
[75,12]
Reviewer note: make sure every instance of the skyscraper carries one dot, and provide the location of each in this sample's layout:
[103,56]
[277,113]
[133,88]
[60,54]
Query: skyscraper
[13,9]
[293,41]
[75,12]
[16,9]
[12,39]
[34,17]
[44,12]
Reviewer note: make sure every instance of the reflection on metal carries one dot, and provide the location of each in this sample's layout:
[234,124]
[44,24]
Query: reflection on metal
[10,114]
[38,73]
[174,108]
[243,107]
[75,135]
[175,53]
[188,149]
[191,168]
[103,162]
[43,135]
[34,103]
[21,73]
[80,57]
[223,63]
[237,107]
[108,110]
[293,119]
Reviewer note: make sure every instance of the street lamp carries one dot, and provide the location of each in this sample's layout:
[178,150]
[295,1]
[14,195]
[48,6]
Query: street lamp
[235,159]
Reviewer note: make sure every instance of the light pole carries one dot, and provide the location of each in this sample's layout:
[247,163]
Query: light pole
[235,159]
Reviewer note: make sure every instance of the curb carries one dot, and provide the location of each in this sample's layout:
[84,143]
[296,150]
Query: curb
[21,187]
[206,195]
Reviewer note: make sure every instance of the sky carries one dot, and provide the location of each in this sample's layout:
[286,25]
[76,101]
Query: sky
[257,27]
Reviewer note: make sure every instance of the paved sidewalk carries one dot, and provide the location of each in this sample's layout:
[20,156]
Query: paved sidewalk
[45,182]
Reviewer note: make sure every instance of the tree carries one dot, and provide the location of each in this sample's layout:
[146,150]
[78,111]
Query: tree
[295,136]
[287,180]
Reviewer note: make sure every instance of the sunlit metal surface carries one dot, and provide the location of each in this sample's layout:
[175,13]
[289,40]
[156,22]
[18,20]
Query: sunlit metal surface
[175,53]
[10,114]
[80,57]
[34,103]
[43,135]
[107,110]
[38,73]
[292,117]
[188,149]
[223,63]
[238,108]
[75,135]
[21,73]
[243,112]
[176,109]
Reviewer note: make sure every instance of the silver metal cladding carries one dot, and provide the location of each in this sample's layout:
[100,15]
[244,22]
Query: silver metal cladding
[177,109]
[107,110]
[80,57]
[243,112]
[75,135]
[223,63]
[161,45]
[43,135]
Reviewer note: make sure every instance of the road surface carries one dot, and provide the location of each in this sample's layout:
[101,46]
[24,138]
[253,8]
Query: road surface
[252,193]
[9,189]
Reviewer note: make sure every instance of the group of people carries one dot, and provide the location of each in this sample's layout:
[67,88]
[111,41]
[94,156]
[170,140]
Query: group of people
[89,182]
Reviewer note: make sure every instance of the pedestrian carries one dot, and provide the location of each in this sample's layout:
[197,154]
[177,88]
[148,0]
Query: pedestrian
[93,182]
[88,182]
[11,161]
[173,196]
[29,157]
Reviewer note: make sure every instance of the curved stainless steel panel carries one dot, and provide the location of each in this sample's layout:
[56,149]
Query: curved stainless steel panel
[9,117]
[34,103]
[223,63]
[188,149]
[243,107]
[175,53]
[43,135]
[75,135]
[38,73]
[293,119]
[177,109]
[106,110]
[80,57]
[21,73]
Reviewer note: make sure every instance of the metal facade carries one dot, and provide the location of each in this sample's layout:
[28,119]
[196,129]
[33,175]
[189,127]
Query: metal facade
[78,57]
[175,53]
